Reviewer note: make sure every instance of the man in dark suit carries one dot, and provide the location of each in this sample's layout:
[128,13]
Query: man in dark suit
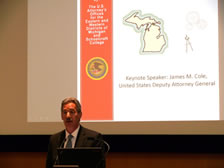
[74,134]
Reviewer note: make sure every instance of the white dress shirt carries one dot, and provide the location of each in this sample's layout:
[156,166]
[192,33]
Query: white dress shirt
[74,134]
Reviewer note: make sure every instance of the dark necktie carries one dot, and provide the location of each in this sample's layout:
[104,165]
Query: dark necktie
[69,143]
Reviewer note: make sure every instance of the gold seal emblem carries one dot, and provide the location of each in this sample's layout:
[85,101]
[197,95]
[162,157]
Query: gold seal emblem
[96,68]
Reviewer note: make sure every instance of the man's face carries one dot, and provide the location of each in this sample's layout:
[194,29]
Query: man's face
[70,117]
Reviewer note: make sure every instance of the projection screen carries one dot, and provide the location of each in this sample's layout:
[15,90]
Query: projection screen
[139,67]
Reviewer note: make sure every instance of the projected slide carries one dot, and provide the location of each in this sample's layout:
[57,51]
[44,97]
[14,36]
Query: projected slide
[148,60]
[145,60]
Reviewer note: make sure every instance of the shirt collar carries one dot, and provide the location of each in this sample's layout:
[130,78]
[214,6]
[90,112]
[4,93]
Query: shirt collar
[74,133]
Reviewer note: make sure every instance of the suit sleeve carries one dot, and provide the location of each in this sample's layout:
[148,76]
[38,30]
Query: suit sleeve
[95,139]
[100,143]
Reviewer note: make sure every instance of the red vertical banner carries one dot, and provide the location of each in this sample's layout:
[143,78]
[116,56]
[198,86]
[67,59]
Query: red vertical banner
[96,59]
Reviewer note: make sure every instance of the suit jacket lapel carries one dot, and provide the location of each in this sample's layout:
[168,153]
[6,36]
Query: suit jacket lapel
[81,137]
[61,139]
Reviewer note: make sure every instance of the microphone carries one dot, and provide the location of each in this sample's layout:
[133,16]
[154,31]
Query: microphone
[101,141]
[63,142]
[56,160]
[108,147]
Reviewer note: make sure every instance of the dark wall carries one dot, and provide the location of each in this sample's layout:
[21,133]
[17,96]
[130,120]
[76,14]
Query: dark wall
[126,143]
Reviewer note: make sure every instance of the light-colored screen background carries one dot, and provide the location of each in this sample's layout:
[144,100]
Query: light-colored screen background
[162,99]
[15,48]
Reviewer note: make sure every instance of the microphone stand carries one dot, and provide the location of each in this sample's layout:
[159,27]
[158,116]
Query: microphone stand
[56,160]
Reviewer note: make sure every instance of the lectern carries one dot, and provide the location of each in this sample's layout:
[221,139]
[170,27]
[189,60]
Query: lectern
[66,166]
[79,157]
